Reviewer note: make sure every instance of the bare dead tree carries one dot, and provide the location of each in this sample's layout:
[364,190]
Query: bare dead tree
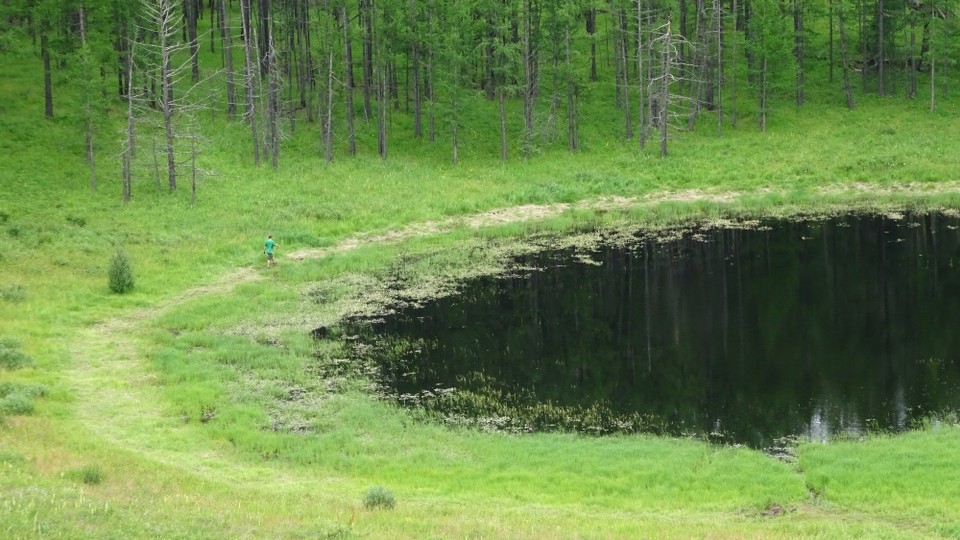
[129,145]
[226,37]
[273,97]
[162,115]
[251,78]
[666,106]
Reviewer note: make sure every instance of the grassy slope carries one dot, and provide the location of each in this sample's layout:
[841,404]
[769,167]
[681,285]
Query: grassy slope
[126,396]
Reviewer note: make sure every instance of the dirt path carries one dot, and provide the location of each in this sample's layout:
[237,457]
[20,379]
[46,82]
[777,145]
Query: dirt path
[117,393]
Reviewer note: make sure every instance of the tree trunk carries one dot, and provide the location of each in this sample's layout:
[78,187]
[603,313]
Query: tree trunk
[415,68]
[572,138]
[933,85]
[227,39]
[531,25]
[798,46]
[348,80]
[429,81]
[699,66]
[47,76]
[503,125]
[190,18]
[250,76]
[880,56]
[129,149]
[912,85]
[830,38]
[863,44]
[263,14]
[383,96]
[273,94]
[847,91]
[367,17]
[87,112]
[328,113]
[591,31]
[641,78]
[763,94]
[664,94]
[733,72]
[165,32]
[625,62]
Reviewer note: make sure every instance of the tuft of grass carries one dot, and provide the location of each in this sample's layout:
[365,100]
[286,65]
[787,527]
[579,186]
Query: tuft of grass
[90,475]
[378,497]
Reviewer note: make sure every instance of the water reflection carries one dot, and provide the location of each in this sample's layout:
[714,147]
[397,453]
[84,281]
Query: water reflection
[813,328]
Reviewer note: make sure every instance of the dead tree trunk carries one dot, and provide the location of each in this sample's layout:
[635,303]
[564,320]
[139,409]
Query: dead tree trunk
[250,76]
[166,32]
[227,39]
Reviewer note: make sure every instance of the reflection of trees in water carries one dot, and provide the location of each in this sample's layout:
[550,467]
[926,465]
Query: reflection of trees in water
[801,328]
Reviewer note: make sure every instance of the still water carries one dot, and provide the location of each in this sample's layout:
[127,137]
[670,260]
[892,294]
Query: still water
[811,328]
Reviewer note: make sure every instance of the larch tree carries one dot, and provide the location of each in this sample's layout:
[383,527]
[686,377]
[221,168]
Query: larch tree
[348,82]
[530,51]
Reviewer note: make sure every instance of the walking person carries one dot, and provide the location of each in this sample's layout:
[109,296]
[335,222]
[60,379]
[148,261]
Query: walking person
[268,247]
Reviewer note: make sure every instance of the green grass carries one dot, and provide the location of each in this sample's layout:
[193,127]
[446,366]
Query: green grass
[197,406]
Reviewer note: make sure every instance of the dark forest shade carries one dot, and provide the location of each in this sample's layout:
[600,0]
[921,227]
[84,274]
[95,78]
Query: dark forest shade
[799,328]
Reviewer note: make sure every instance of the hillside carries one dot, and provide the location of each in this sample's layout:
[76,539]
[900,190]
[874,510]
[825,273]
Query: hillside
[198,406]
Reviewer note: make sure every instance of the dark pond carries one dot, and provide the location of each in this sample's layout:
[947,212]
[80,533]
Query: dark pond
[812,328]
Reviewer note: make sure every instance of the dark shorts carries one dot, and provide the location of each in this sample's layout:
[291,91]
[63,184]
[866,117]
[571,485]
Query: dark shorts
[269,256]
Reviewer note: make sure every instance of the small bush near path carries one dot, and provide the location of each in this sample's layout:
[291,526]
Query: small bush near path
[378,497]
[120,272]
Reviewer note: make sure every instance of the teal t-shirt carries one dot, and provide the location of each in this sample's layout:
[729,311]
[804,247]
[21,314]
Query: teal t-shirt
[268,246]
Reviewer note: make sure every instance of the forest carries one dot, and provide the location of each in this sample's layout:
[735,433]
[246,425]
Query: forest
[535,72]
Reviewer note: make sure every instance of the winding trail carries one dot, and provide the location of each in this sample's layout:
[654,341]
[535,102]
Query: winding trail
[117,394]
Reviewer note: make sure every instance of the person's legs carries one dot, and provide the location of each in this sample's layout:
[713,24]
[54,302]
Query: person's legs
[269,259]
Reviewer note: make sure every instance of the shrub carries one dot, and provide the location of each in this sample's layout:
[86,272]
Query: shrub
[378,497]
[28,390]
[13,293]
[16,405]
[11,357]
[120,273]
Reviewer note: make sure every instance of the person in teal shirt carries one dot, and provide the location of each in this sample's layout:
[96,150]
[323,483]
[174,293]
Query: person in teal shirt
[268,249]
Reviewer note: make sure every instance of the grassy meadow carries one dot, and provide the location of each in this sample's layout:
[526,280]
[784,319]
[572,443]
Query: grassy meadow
[199,406]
